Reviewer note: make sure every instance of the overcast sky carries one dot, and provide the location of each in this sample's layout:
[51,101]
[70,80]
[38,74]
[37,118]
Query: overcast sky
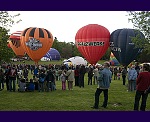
[65,24]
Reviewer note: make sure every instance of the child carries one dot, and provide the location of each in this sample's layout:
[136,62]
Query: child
[22,85]
[31,85]
[35,80]
[63,79]
[118,75]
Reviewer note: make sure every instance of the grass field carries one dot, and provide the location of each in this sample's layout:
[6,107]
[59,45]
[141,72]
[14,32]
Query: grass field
[46,62]
[79,99]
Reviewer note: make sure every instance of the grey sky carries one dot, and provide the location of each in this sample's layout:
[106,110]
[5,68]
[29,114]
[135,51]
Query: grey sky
[65,24]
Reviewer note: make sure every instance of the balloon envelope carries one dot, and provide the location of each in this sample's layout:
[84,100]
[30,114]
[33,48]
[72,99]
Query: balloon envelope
[113,61]
[52,54]
[92,41]
[36,42]
[8,45]
[122,47]
[15,44]
[77,60]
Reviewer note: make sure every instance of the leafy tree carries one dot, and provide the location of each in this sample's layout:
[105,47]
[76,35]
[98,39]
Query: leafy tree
[141,22]
[6,21]
[66,50]
[143,57]
[55,43]
[5,52]
[107,55]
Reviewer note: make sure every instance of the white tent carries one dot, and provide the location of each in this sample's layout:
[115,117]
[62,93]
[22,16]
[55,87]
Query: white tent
[45,59]
[145,63]
[77,60]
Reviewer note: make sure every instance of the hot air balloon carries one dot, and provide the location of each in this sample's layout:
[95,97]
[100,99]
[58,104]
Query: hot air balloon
[122,47]
[92,41]
[8,45]
[77,60]
[15,44]
[52,54]
[113,61]
[36,42]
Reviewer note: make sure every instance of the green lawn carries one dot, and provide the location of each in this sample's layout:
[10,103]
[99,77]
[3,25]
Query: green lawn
[46,62]
[80,99]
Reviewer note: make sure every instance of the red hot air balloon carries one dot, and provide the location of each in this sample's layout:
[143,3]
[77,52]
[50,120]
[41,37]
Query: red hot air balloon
[36,42]
[15,44]
[92,41]
[8,45]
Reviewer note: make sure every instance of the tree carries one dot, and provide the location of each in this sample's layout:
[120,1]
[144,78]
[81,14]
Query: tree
[143,57]
[141,22]
[5,52]
[107,55]
[6,21]
[66,50]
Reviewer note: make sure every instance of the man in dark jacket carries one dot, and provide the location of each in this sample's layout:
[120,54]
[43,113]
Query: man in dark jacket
[50,80]
[82,72]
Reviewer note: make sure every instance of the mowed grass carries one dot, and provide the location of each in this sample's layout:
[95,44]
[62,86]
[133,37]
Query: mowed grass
[79,99]
[46,62]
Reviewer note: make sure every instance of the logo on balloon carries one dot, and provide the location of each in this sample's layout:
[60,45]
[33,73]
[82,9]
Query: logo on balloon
[34,44]
[117,49]
[90,43]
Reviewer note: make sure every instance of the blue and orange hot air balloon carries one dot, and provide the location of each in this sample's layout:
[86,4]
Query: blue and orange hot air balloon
[36,42]
[92,41]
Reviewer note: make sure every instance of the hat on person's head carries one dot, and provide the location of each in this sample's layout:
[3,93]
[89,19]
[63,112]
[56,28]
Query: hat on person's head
[107,63]
[133,66]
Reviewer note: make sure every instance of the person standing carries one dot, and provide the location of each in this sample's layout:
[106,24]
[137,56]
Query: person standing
[95,71]
[42,77]
[137,68]
[76,74]
[90,76]
[103,86]
[25,72]
[132,76]
[115,73]
[82,72]
[143,83]
[1,79]
[7,77]
[12,78]
[70,74]
[63,80]
[50,80]
[124,74]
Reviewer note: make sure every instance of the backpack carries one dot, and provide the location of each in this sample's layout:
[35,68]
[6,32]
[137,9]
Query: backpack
[42,80]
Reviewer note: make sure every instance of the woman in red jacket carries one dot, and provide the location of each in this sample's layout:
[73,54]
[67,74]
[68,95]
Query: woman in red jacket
[143,83]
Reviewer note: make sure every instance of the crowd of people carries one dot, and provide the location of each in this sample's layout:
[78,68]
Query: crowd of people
[138,79]
[44,78]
